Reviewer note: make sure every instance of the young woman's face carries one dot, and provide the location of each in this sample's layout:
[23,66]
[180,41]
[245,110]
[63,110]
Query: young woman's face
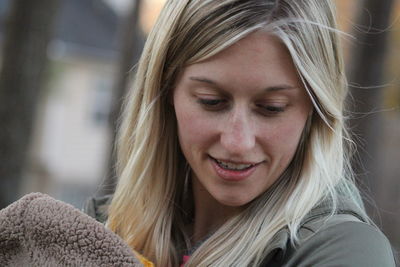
[240,116]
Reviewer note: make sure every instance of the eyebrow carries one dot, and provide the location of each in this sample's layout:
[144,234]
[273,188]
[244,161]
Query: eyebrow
[268,89]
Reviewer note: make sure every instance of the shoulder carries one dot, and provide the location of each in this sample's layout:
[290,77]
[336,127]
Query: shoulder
[96,207]
[340,241]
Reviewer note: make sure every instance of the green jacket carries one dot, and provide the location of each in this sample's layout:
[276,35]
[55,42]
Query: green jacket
[346,239]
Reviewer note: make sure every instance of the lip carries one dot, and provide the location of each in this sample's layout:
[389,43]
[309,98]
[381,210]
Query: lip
[230,175]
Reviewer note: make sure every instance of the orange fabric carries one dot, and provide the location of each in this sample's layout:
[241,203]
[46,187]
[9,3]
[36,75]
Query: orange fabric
[144,261]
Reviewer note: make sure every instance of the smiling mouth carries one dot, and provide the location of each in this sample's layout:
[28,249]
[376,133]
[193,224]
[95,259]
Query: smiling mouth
[233,166]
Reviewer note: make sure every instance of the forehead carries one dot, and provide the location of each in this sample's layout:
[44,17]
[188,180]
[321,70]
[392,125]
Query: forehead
[258,60]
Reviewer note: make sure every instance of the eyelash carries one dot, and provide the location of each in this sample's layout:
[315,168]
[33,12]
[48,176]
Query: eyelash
[211,102]
[217,104]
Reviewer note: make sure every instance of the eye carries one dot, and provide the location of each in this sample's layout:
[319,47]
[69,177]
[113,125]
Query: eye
[270,109]
[212,104]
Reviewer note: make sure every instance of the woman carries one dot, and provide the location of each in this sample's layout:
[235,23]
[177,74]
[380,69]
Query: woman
[233,149]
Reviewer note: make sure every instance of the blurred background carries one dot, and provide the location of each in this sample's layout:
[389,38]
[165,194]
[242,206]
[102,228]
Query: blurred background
[65,65]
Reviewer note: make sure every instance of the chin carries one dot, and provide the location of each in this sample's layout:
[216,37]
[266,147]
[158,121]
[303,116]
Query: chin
[234,202]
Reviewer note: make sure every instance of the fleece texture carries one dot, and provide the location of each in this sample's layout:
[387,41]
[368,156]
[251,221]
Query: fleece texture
[38,230]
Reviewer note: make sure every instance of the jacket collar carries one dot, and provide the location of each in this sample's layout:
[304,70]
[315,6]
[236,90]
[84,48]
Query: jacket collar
[281,240]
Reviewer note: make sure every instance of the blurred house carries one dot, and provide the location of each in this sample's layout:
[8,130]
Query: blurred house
[70,143]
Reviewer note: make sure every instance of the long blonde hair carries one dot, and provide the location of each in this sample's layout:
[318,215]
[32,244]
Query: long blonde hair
[150,205]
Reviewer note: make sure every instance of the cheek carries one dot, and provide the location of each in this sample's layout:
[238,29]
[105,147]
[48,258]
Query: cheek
[194,129]
[284,138]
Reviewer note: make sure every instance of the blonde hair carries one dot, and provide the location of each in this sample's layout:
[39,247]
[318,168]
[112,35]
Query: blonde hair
[149,208]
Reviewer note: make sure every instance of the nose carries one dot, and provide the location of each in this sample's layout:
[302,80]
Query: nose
[238,134]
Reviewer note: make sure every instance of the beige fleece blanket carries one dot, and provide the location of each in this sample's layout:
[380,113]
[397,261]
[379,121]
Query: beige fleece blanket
[38,230]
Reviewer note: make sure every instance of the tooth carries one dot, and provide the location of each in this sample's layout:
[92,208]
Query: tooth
[232,166]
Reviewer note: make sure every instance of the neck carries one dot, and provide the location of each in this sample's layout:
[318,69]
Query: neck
[209,213]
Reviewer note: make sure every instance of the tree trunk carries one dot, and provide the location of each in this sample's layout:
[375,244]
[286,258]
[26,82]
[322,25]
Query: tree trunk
[28,30]
[366,77]
[131,45]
